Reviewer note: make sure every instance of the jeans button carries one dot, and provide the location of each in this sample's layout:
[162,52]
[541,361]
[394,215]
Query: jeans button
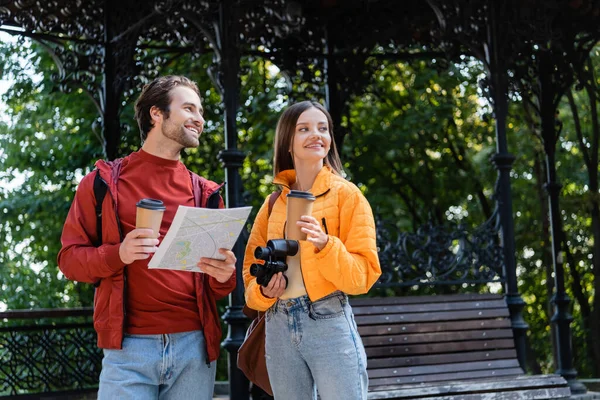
[290,303]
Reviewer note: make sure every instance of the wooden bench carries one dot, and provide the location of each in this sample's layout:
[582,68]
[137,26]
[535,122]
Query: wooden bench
[446,347]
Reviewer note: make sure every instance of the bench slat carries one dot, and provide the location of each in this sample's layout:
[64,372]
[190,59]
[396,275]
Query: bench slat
[431,359]
[430,317]
[528,394]
[423,299]
[428,307]
[387,340]
[493,388]
[400,380]
[433,348]
[369,330]
[442,368]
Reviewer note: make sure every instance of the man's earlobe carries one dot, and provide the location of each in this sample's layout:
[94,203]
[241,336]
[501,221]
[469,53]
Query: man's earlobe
[155,113]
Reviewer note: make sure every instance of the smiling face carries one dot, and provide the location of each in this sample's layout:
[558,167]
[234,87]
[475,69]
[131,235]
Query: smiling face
[312,138]
[305,121]
[184,122]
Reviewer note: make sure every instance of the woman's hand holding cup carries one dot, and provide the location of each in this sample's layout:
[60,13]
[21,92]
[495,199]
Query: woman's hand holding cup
[314,234]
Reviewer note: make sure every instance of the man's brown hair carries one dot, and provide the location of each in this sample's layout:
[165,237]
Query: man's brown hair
[284,136]
[157,94]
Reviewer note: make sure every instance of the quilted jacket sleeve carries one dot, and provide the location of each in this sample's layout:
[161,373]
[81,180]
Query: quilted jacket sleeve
[258,237]
[350,261]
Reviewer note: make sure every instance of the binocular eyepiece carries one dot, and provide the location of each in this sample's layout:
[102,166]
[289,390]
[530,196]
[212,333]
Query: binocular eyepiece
[277,248]
[274,255]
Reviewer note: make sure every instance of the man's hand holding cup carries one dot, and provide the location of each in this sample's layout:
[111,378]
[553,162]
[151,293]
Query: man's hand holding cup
[142,242]
[137,245]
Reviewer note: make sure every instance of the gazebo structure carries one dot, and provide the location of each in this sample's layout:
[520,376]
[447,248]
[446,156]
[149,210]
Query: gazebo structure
[108,49]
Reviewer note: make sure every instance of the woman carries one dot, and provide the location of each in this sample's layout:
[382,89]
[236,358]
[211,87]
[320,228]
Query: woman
[312,343]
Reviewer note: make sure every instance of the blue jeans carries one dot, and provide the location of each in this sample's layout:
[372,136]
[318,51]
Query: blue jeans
[169,366]
[314,347]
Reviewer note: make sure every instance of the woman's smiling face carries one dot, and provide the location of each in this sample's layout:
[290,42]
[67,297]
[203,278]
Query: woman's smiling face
[312,138]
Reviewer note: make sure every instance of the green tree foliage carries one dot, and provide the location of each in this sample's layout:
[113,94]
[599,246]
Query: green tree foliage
[49,142]
[421,143]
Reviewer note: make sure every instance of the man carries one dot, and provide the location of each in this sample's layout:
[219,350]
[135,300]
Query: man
[159,329]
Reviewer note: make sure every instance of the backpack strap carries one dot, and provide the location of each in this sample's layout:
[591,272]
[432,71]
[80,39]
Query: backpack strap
[100,189]
[272,199]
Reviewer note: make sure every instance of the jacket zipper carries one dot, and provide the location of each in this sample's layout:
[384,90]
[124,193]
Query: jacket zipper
[325,225]
[323,194]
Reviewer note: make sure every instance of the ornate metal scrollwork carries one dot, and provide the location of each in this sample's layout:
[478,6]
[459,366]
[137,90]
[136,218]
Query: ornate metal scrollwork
[438,255]
[48,359]
[271,20]
[71,32]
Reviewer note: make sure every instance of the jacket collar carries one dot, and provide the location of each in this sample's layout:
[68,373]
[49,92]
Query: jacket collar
[321,185]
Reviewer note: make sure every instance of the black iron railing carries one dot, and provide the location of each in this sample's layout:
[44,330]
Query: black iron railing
[451,254]
[48,351]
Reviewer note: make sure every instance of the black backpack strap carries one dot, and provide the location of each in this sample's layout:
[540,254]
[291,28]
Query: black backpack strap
[100,189]
[214,200]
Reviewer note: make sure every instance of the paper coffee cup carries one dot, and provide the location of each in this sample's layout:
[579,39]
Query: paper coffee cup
[149,215]
[299,203]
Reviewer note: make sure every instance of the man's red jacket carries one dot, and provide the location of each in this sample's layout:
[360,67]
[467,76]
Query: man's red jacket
[80,261]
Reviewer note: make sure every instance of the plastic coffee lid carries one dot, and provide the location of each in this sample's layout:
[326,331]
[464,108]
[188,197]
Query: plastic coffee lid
[151,204]
[299,194]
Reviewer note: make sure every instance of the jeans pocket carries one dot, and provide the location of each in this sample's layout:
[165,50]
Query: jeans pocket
[327,308]
[268,314]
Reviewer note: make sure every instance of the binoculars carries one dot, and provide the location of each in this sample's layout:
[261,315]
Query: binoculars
[274,256]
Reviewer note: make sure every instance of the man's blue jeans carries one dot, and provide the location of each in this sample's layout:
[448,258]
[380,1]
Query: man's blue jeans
[315,347]
[171,366]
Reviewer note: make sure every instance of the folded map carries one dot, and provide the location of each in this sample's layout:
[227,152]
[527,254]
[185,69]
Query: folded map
[196,233]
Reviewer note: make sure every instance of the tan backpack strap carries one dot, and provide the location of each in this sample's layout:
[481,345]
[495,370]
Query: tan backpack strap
[272,199]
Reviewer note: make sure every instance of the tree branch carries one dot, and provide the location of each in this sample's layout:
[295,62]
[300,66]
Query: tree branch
[578,130]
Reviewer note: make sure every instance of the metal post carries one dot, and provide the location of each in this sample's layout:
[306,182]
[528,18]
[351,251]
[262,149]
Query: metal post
[111,125]
[562,317]
[232,160]
[503,161]
[337,92]
[332,93]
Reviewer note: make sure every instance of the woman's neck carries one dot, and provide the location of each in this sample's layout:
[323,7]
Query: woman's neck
[305,176]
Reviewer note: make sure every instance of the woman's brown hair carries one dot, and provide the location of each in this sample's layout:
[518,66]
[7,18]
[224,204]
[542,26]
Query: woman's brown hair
[284,135]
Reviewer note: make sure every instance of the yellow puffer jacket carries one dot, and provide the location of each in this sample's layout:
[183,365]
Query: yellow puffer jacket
[348,262]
